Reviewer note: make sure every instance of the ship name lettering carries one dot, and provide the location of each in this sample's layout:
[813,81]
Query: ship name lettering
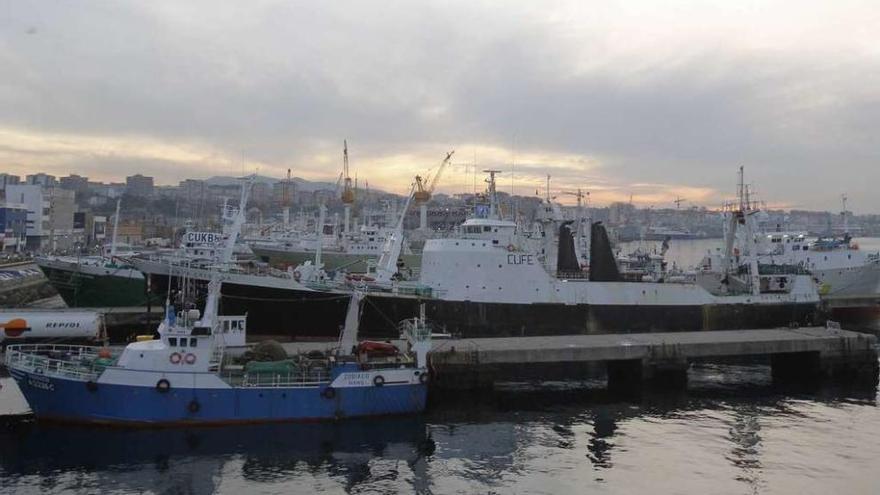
[41,384]
[520,259]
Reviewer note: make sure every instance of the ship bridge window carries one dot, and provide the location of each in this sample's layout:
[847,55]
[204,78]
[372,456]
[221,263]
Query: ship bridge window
[487,229]
[172,341]
[182,342]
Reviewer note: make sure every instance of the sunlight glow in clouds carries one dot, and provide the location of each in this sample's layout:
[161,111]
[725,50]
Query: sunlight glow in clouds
[657,100]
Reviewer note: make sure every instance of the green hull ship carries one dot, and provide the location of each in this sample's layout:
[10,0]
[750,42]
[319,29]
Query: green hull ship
[353,263]
[96,282]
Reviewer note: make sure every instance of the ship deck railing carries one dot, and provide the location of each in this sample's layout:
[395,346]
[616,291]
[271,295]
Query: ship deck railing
[76,362]
[299,379]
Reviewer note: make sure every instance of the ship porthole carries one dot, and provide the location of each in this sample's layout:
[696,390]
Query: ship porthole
[379,380]
[163,386]
[91,386]
[328,393]
[193,406]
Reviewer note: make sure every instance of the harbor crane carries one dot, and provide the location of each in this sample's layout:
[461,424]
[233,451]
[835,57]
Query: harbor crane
[347,189]
[678,201]
[424,188]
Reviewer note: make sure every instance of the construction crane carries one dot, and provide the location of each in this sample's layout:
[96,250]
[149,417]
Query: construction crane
[581,196]
[678,201]
[423,192]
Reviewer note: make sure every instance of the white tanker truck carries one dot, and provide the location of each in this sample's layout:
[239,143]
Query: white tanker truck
[26,325]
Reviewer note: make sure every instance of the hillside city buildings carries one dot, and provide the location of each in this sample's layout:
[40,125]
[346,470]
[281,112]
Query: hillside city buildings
[41,212]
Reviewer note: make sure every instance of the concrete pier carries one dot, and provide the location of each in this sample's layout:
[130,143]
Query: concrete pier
[660,358]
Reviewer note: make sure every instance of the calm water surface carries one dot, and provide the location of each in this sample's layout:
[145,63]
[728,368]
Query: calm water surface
[732,432]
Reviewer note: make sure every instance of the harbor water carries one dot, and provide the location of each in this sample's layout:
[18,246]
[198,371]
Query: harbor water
[731,432]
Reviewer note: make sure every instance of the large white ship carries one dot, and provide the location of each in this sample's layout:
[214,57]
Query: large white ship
[837,265]
[495,277]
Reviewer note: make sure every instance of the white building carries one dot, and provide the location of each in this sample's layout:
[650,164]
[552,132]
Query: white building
[37,204]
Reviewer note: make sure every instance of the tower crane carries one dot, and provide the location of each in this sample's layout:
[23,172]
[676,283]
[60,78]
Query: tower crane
[423,192]
[678,201]
[581,196]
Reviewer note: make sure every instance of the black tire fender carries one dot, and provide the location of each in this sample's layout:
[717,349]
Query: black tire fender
[378,380]
[163,386]
[328,393]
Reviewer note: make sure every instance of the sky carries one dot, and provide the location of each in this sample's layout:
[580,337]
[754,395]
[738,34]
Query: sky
[643,99]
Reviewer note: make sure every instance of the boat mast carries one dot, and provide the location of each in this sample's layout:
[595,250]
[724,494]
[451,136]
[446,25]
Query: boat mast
[493,194]
[387,266]
[843,199]
[237,222]
[319,231]
[115,230]
[349,337]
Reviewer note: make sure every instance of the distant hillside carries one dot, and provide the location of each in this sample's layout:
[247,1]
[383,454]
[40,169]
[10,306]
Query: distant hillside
[301,184]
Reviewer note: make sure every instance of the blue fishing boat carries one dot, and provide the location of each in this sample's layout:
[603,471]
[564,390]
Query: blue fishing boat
[189,376]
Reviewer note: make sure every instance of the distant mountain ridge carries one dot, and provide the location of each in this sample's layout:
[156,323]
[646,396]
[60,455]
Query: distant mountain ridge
[301,184]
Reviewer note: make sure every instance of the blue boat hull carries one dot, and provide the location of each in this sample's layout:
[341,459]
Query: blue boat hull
[73,400]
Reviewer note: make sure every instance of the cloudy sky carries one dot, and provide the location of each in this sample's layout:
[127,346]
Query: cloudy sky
[650,99]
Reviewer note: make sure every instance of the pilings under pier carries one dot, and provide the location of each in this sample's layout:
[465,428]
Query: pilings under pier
[655,359]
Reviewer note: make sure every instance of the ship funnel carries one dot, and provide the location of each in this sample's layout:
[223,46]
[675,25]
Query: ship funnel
[603,266]
[566,258]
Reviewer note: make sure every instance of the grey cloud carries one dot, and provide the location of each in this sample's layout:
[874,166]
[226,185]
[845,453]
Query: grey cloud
[280,82]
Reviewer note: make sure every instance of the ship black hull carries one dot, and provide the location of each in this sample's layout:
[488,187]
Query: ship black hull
[476,319]
[296,314]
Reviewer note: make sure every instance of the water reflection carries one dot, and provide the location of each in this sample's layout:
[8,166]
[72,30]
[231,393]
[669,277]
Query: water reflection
[191,460]
[601,443]
[745,453]
[728,431]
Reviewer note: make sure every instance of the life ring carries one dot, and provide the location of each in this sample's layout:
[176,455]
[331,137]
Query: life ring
[328,393]
[193,406]
[511,248]
[91,386]
[163,386]
[379,380]
[190,358]
[423,378]
[175,358]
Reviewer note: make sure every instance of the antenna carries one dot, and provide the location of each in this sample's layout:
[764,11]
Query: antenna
[741,189]
[548,188]
[493,196]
